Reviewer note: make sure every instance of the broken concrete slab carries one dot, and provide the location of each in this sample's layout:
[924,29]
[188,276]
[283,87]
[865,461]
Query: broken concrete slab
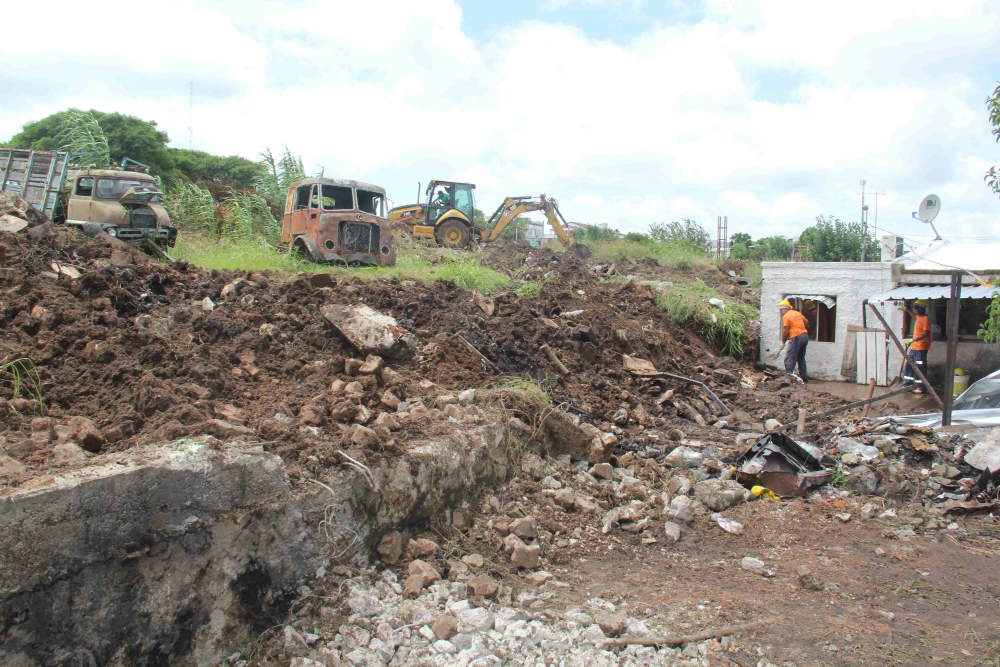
[370,331]
[986,454]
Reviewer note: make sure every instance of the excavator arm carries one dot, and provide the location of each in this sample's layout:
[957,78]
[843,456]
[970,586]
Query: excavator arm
[515,206]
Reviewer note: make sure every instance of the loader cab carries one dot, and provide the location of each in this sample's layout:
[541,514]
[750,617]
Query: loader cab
[443,196]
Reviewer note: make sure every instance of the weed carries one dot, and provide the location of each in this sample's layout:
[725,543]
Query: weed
[191,208]
[837,478]
[680,255]
[730,328]
[23,379]
[526,289]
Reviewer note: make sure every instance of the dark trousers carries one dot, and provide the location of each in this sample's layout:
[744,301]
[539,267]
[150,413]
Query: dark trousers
[796,354]
[918,358]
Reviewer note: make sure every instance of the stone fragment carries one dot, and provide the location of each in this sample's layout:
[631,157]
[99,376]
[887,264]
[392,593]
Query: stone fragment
[445,627]
[483,586]
[370,331]
[373,364]
[422,575]
[467,397]
[751,564]
[422,548]
[454,411]
[295,644]
[686,509]
[461,519]
[603,471]
[86,433]
[10,467]
[719,495]
[683,458]
[352,367]
[526,556]
[312,415]
[389,399]
[363,436]
[566,499]
[390,548]
[511,542]
[672,530]
[986,454]
[539,578]
[207,304]
[807,580]
[67,454]
[772,425]
[524,528]
[473,560]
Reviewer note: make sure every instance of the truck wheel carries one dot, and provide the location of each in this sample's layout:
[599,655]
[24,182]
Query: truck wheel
[453,233]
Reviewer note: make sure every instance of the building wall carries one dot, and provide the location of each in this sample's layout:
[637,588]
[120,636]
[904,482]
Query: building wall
[977,359]
[850,283]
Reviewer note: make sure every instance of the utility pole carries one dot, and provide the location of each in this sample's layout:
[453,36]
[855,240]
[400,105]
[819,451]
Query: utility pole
[864,222]
[191,118]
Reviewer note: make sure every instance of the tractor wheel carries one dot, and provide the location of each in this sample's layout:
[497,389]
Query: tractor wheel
[580,250]
[453,233]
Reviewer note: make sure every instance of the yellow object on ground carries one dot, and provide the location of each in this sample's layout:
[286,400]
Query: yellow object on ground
[762,492]
[961,381]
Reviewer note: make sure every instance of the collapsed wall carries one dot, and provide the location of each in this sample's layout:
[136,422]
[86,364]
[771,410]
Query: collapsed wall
[175,554]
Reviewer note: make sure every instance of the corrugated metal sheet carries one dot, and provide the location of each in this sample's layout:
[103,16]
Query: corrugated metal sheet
[829,302]
[934,292]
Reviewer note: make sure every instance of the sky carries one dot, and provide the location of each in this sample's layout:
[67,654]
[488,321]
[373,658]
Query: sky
[769,112]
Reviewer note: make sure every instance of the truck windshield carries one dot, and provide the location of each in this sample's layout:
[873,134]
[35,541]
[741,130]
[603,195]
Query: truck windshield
[114,188]
[371,202]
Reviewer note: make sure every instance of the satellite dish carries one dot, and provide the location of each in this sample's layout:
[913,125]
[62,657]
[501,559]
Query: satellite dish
[929,208]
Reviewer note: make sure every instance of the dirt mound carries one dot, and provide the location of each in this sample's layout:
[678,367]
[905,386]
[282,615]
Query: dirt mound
[149,352]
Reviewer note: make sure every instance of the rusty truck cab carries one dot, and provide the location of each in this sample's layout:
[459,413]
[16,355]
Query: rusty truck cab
[338,220]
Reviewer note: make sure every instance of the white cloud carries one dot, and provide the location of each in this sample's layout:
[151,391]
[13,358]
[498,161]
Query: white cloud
[768,112]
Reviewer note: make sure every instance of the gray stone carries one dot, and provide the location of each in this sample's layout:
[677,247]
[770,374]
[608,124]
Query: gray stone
[68,454]
[684,458]
[603,471]
[672,530]
[751,564]
[295,644]
[986,454]
[467,397]
[477,619]
[861,480]
[370,331]
[719,495]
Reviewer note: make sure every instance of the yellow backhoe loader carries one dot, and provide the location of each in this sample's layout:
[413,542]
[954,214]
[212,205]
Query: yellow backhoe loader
[448,218]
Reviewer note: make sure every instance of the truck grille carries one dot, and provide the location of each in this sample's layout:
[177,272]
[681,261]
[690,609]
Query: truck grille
[358,237]
[143,218]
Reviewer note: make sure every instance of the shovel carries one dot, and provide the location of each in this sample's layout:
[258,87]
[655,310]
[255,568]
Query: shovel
[772,357]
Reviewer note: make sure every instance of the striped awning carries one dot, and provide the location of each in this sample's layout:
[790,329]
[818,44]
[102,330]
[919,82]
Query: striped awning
[827,301]
[909,292]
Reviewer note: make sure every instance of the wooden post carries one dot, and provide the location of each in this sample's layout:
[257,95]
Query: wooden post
[801,426]
[871,392]
[954,308]
[902,350]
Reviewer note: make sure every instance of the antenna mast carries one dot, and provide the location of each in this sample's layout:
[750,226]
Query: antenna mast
[191,118]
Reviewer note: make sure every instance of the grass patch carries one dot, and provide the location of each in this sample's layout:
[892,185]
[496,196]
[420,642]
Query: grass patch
[526,288]
[24,381]
[522,395]
[667,254]
[414,261]
[752,271]
[730,329]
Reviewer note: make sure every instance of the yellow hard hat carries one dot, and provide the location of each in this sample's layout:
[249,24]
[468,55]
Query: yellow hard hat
[920,302]
[785,304]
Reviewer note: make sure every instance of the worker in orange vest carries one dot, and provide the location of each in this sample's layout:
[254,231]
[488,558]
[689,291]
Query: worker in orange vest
[795,335]
[919,346]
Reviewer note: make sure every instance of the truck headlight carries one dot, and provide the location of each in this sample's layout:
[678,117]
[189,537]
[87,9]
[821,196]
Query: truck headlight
[112,232]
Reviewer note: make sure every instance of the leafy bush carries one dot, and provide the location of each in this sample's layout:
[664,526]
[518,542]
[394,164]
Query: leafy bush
[636,237]
[595,233]
[686,232]
[832,240]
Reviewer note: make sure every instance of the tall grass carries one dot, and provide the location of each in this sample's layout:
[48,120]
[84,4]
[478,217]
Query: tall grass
[255,254]
[23,378]
[83,137]
[680,255]
[248,216]
[730,329]
[191,209]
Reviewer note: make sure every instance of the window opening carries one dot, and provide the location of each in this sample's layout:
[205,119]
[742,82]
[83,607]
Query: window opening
[302,197]
[463,200]
[821,320]
[337,198]
[114,188]
[85,187]
[371,202]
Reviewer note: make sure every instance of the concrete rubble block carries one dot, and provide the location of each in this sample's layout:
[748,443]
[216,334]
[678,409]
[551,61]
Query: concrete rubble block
[526,556]
[224,430]
[422,575]
[337,387]
[312,415]
[68,454]
[679,485]
[719,495]
[603,471]
[454,412]
[422,548]
[444,400]
[611,624]
[683,458]
[10,467]
[568,436]
[772,425]
[389,400]
[751,564]
[861,480]
[86,433]
[685,509]
[467,397]
[511,542]
[390,378]
[390,548]
[352,367]
[477,619]
[445,627]
[524,528]
[373,364]
[362,415]
[539,578]
[295,644]
[632,488]
[343,411]
[534,465]
[385,420]
[566,499]
[473,560]
[673,531]
[370,331]
[483,586]
[458,571]
[43,430]
[986,454]
[364,437]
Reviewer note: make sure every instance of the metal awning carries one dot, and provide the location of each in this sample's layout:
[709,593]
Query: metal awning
[827,301]
[934,292]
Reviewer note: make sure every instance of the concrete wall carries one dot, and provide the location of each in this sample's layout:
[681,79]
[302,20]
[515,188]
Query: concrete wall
[850,283]
[978,359]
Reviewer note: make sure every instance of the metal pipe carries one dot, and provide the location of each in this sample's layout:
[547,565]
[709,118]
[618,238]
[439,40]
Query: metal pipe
[954,308]
[718,401]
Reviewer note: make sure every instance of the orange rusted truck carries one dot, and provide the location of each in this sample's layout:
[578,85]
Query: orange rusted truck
[338,220]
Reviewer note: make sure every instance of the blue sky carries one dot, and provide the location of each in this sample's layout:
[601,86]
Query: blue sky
[769,111]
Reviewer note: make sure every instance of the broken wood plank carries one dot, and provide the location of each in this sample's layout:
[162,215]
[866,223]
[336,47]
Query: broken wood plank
[555,360]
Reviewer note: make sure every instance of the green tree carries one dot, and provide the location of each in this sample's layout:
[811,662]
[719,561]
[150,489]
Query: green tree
[215,171]
[832,240]
[595,233]
[127,137]
[775,248]
[741,237]
[686,232]
[993,106]
[515,229]
[637,237]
